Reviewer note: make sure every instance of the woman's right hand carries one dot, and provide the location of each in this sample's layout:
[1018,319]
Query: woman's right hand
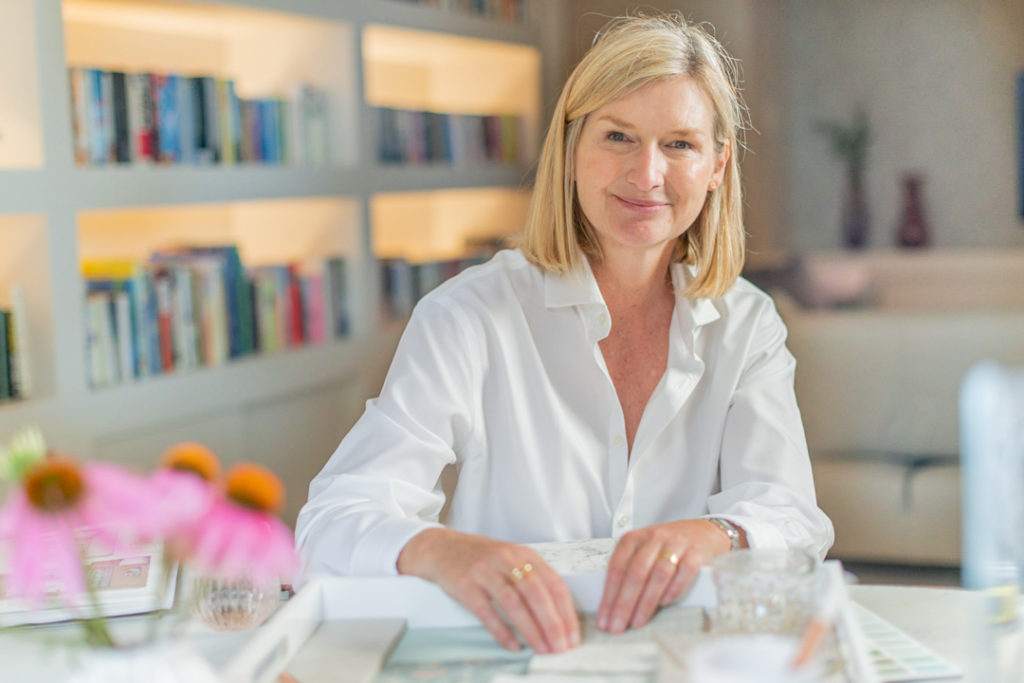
[484,575]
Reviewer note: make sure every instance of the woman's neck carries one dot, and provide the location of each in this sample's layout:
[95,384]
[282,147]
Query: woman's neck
[634,283]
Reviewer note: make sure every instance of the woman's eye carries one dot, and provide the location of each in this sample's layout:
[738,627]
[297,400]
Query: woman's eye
[680,144]
[616,136]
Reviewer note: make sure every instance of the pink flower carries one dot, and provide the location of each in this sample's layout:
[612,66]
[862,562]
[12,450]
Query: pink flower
[57,499]
[240,537]
[181,500]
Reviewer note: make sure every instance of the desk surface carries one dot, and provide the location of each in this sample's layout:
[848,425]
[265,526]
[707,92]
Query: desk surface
[941,618]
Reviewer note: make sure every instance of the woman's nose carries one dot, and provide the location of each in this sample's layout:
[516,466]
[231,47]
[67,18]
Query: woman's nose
[647,168]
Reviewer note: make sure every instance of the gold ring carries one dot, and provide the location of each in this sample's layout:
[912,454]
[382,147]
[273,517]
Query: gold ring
[671,557]
[519,572]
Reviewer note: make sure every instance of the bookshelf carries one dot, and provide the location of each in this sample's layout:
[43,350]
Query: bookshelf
[286,408]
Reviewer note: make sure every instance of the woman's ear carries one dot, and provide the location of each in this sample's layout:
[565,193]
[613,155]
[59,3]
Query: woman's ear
[718,175]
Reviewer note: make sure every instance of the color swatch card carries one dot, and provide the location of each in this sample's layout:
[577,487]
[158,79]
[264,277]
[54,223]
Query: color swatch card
[898,657]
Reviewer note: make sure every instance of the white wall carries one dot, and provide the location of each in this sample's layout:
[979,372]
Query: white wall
[938,79]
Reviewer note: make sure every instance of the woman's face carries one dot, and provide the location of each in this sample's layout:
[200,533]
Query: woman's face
[645,163]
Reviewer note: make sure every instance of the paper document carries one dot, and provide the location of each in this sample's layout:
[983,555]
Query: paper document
[127,580]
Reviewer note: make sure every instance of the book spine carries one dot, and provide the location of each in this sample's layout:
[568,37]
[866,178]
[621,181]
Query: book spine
[119,109]
[21,341]
[212,114]
[165,314]
[6,390]
[107,102]
[201,138]
[186,120]
[124,338]
[79,113]
[170,126]
[228,147]
[297,332]
[97,126]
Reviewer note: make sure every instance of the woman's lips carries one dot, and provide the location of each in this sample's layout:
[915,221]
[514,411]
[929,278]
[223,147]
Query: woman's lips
[647,206]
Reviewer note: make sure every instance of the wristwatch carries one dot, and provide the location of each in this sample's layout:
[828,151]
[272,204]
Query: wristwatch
[730,529]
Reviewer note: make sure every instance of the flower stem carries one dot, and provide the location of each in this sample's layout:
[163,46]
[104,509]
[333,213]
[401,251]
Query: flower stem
[96,632]
[166,565]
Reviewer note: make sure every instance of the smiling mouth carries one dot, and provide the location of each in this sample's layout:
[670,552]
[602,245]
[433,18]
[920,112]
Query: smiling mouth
[642,205]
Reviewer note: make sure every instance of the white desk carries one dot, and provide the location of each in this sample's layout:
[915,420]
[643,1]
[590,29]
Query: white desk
[951,622]
[941,619]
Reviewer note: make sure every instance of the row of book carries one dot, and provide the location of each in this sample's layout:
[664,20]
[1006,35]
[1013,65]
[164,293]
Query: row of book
[15,368]
[412,137]
[403,283]
[195,306]
[121,118]
[507,10]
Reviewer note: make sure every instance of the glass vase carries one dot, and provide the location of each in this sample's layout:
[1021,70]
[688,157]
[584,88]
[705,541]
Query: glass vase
[856,221]
[232,604]
[913,227]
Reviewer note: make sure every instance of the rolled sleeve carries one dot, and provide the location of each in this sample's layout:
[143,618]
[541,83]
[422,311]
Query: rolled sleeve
[382,485]
[766,483]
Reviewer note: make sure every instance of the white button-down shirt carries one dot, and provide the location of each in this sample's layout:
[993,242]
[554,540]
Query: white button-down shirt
[499,374]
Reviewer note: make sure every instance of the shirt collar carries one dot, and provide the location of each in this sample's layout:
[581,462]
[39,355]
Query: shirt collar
[699,311]
[572,289]
[579,288]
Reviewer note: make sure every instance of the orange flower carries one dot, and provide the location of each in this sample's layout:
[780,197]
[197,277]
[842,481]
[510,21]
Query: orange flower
[254,486]
[192,457]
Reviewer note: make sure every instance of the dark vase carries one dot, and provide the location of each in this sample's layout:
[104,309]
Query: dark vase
[856,221]
[913,228]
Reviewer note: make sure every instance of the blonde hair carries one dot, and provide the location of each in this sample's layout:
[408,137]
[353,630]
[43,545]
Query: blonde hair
[627,54]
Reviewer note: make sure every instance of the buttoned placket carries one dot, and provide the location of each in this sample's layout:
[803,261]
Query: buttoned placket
[682,373]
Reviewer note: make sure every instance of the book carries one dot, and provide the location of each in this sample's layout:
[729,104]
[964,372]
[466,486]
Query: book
[162,283]
[119,111]
[227,108]
[141,121]
[238,308]
[132,579]
[186,121]
[101,358]
[131,277]
[336,295]
[6,391]
[97,127]
[79,113]
[165,98]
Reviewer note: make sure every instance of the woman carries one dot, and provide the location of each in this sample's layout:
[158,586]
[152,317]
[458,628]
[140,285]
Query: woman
[612,377]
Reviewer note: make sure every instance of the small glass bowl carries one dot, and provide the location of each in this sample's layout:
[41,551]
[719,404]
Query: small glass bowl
[232,604]
[763,591]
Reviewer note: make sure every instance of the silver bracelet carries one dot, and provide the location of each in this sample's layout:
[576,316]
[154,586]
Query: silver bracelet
[730,529]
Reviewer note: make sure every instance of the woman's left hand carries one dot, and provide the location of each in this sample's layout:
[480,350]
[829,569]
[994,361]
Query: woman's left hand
[652,566]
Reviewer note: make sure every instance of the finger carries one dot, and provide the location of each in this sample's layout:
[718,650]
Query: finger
[689,567]
[686,572]
[512,604]
[551,603]
[566,607]
[614,579]
[479,603]
[634,580]
[661,575]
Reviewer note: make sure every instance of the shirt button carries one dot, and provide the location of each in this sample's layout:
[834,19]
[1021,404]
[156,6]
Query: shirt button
[603,318]
[618,442]
[623,521]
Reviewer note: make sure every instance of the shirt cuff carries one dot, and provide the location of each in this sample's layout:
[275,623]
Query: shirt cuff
[759,534]
[376,553]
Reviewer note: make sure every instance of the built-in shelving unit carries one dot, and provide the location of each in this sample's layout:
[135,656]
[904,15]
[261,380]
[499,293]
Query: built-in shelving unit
[287,408]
